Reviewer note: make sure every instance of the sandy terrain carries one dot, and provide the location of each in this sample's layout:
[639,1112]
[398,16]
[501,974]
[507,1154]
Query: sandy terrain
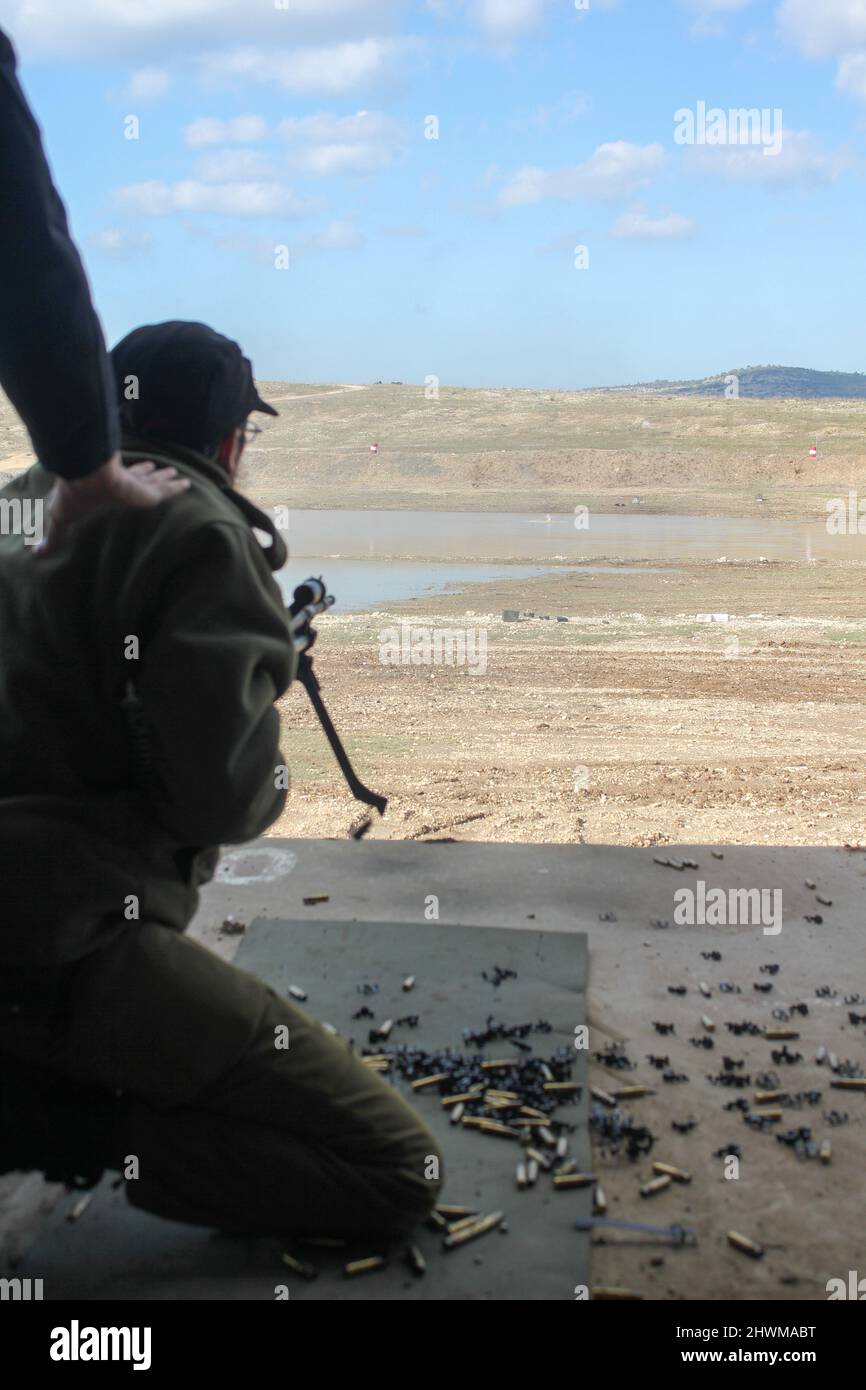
[507,450]
[631,724]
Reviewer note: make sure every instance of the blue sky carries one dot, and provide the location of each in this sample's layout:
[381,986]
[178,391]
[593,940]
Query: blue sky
[263,126]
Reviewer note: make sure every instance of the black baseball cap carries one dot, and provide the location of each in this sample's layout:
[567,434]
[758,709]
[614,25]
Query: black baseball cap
[192,386]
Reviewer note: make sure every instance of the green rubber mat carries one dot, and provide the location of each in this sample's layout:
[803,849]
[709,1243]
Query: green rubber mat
[113,1251]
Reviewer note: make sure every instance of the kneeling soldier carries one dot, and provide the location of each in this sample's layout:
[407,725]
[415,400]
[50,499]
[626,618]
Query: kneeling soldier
[138,674]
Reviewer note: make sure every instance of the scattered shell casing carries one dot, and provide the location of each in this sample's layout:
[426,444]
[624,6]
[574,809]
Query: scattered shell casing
[780,1034]
[486,1126]
[363,1266]
[409,983]
[821,1054]
[384,1028]
[562,1087]
[748,1247]
[708,1023]
[462,1224]
[501,1064]
[850,1083]
[437,1221]
[540,1158]
[832,1061]
[767,1097]
[532,1172]
[562,1146]
[772,1112]
[599,1200]
[655,1185]
[450,1210]
[520,1177]
[415,1260]
[80,1207]
[671,1171]
[480,1228]
[568,1180]
[457,1114]
[306,1271]
[457,1100]
[376,1063]
[547,1136]
[610,1293]
[297,993]
[313,898]
[825,1153]
[546,1072]
[429,1080]
[329,1028]
[534,1114]
[632,1092]
[603,1096]
[705,989]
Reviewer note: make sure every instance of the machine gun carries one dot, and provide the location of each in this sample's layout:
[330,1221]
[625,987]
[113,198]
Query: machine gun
[310,599]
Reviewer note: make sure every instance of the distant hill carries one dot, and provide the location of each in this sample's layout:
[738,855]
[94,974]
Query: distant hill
[794,383]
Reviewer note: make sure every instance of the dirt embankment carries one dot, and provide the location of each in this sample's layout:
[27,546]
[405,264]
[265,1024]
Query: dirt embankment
[448,448]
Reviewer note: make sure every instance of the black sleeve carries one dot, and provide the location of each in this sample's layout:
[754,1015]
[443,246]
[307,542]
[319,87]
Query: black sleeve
[53,364]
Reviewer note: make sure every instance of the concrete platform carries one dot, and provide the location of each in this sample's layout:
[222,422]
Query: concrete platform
[807,1216]
[541,1257]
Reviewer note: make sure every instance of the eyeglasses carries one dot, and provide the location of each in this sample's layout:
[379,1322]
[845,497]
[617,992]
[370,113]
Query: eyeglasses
[250,430]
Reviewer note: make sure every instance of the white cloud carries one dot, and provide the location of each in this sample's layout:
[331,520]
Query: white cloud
[615,171]
[121,242]
[337,68]
[799,161]
[637,225]
[504,18]
[228,166]
[564,242]
[252,199]
[851,75]
[831,29]
[92,29]
[338,236]
[709,14]
[147,84]
[207,130]
[828,28]
[331,144]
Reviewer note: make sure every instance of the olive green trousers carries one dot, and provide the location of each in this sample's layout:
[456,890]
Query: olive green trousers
[221,1103]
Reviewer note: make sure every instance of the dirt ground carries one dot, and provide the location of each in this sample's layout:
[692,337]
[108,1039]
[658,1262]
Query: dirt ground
[455,448]
[632,723]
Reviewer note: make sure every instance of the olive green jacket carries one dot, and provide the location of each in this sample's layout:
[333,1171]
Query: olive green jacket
[139,665]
